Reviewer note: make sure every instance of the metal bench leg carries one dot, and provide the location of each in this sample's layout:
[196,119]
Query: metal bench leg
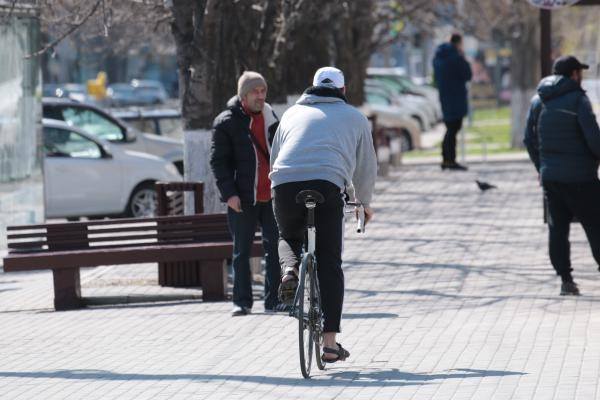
[67,289]
[214,279]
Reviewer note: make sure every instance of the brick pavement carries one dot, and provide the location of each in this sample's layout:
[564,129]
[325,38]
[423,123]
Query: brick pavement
[448,296]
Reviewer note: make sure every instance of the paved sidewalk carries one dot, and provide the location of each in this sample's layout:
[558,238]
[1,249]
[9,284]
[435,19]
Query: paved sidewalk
[449,295]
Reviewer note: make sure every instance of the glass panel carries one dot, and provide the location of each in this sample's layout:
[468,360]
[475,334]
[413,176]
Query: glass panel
[92,123]
[172,127]
[141,125]
[377,99]
[63,143]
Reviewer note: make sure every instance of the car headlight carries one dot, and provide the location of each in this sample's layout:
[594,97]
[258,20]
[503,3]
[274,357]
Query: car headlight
[172,169]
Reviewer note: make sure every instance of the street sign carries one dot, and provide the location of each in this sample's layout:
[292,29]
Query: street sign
[552,4]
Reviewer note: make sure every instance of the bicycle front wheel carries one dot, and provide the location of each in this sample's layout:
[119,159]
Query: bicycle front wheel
[303,307]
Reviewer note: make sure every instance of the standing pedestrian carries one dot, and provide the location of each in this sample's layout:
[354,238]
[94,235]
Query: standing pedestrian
[563,141]
[240,153]
[452,72]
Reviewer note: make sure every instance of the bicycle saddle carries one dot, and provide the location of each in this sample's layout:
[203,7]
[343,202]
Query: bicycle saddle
[309,195]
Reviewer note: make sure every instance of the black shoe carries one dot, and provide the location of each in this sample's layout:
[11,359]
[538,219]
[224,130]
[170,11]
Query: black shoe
[239,311]
[569,289]
[279,308]
[287,290]
[454,166]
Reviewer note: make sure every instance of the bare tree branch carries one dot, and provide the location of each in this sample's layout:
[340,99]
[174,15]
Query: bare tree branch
[67,33]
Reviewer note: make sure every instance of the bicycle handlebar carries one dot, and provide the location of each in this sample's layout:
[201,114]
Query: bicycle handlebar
[360,216]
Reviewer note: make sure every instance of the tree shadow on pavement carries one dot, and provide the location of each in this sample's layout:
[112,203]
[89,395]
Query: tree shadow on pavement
[369,315]
[383,377]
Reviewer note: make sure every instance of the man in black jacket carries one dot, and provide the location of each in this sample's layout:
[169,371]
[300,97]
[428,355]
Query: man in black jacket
[241,144]
[452,72]
[563,141]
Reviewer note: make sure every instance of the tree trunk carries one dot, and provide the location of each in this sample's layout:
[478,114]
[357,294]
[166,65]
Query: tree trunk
[194,82]
[192,26]
[353,41]
[525,67]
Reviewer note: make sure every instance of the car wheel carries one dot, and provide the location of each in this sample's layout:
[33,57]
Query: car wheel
[405,142]
[420,122]
[143,202]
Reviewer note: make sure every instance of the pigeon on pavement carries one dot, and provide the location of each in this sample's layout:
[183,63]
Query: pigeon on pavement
[483,186]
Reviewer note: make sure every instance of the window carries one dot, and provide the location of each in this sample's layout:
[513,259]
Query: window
[93,123]
[143,125]
[377,99]
[172,127]
[63,143]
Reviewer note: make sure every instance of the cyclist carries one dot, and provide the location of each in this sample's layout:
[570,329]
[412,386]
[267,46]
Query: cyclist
[323,144]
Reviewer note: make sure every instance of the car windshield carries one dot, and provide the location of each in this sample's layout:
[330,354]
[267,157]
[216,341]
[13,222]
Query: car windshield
[377,99]
[397,86]
[93,123]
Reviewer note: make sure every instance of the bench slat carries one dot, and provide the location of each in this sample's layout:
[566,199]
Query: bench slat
[96,257]
[213,226]
[192,236]
[168,218]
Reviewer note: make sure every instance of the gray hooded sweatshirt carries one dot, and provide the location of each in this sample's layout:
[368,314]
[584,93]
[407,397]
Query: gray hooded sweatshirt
[322,137]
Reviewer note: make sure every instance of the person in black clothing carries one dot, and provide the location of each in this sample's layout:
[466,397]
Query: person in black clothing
[452,72]
[240,153]
[563,141]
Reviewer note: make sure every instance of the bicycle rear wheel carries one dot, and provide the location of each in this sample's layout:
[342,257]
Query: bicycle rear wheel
[303,307]
[317,316]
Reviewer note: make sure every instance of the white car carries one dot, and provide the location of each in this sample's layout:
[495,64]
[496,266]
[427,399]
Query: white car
[102,125]
[398,79]
[377,94]
[85,176]
[418,102]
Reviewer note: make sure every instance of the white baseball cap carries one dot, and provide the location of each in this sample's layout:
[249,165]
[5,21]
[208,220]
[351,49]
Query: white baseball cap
[329,76]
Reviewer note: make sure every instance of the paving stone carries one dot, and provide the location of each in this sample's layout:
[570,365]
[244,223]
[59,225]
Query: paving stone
[449,295]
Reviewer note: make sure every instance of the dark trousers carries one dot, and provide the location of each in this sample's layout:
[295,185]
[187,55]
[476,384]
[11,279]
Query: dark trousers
[565,201]
[243,227]
[329,217]
[449,143]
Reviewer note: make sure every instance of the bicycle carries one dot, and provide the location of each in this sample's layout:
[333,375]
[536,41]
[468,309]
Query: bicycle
[307,301]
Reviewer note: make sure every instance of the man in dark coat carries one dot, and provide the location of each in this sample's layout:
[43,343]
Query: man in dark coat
[563,141]
[452,72]
[240,153]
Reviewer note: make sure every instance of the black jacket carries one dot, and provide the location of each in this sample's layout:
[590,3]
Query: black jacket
[562,135]
[452,72]
[233,156]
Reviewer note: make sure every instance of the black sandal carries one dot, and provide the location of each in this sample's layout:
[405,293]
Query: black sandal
[287,289]
[341,353]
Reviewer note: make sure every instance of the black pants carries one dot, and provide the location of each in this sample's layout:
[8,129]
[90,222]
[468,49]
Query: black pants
[329,217]
[566,200]
[243,227]
[449,144]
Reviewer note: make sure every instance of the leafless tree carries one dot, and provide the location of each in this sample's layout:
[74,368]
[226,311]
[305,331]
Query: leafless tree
[518,22]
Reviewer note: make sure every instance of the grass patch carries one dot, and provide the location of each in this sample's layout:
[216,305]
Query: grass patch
[489,133]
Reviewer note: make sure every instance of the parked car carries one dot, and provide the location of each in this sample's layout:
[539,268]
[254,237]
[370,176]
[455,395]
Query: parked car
[102,125]
[162,122]
[403,98]
[403,83]
[87,176]
[73,91]
[393,121]
[382,95]
[137,92]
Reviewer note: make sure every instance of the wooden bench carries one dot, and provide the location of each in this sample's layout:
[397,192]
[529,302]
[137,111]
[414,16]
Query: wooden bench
[171,200]
[66,247]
